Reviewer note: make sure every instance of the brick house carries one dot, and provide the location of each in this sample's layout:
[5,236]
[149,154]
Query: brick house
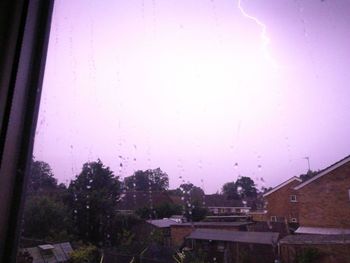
[324,201]
[282,203]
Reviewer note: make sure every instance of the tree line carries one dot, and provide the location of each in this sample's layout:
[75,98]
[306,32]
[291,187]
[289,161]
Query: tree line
[86,208]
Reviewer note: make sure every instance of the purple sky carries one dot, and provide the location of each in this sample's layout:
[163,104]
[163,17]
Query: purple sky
[191,87]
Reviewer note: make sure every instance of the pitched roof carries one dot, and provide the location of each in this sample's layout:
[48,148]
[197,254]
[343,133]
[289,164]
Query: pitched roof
[278,227]
[315,239]
[133,200]
[60,252]
[235,236]
[214,224]
[162,223]
[217,200]
[321,230]
[324,172]
[294,178]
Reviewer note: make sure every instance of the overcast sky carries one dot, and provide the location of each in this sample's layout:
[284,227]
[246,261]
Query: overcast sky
[206,90]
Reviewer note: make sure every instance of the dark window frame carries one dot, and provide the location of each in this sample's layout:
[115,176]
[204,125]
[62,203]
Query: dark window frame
[24,34]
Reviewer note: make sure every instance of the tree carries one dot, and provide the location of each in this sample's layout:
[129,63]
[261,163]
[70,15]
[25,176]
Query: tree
[162,211]
[85,254]
[45,218]
[308,175]
[230,190]
[194,192]
[246,187]
[198,212]
[93,198]
[41,177]
[152,179]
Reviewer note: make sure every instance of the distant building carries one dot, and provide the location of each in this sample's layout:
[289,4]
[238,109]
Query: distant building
[218,204]
[282,202]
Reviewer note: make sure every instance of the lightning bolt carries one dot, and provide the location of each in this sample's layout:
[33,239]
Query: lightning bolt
[263,35]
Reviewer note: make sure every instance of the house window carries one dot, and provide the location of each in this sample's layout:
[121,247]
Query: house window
[273,219]
[293,198]
[294,220]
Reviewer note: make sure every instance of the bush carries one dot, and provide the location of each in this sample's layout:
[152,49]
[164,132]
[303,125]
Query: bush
[85,254]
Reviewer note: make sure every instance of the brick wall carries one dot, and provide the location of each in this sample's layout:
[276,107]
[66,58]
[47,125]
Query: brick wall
[178,234]
[279,204]
[325,201]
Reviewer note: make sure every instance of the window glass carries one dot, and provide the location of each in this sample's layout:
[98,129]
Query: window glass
[156,111]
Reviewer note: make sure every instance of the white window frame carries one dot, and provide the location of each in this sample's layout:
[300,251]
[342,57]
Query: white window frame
[293,200]
[273,218]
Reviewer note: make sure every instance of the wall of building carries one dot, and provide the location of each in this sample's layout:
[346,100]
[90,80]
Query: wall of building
[325,202]
[279,204]
[258,217]
[330,253]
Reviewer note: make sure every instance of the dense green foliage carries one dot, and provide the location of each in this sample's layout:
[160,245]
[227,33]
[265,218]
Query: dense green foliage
[152,179]
[243,187]
[41,177]
[93,198]
[45,218]
[162,211]
[85,254]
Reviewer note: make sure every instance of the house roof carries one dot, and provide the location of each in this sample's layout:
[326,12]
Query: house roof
[217,200]
[133,200]
[315,239]
[162,223]
[321,230]
[278,227]
[215,224]
[235,236]
[324,172]
[294,178]
[60,252]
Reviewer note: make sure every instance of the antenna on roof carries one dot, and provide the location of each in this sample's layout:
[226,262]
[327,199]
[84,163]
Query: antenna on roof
[308,163]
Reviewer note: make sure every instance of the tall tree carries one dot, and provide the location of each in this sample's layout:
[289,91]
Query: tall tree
[41,177]
[190,192]
[230,190]
[94,194]
[152,179]
[246,187]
